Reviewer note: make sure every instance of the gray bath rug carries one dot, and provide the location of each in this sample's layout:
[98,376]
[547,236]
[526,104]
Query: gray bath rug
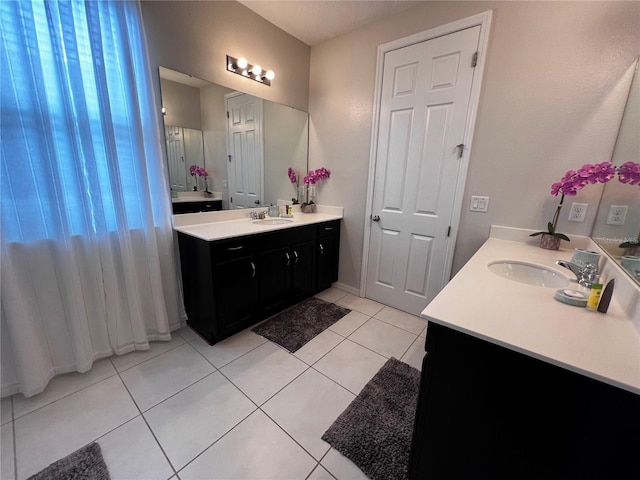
[84,464]
[375,430]
[296,325]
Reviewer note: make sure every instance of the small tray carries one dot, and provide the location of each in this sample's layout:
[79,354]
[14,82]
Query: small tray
[571,297]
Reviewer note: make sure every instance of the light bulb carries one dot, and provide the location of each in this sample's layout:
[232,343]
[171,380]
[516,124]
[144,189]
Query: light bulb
[242,62]
[257,69]
[270,75]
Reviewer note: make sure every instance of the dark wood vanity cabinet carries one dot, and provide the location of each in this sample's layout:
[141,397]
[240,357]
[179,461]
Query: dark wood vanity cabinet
[231,284]
[194,207]
[328,251]
[486,412]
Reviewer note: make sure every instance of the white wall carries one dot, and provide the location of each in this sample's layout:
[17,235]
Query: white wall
[550,102]
[195,38]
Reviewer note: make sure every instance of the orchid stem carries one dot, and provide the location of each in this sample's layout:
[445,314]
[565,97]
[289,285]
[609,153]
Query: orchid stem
[557,214]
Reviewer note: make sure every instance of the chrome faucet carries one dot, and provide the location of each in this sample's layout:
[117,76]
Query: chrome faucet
[586,275]
[258,215]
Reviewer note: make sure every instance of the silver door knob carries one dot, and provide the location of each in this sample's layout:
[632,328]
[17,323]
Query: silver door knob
[257,202]
[375,218]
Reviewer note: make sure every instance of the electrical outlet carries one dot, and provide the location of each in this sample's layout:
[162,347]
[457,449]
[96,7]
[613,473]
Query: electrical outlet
[479,204]
[578,212]
[617,214]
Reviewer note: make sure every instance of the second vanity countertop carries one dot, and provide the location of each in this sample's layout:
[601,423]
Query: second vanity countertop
[234,223]
[529,320]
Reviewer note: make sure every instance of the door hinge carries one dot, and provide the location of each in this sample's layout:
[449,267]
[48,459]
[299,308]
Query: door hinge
[449,231]
[460,148]
[228,155]
[474,62]
[230,199]
[228,112]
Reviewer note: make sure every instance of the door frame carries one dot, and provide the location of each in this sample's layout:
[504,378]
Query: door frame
[484,21]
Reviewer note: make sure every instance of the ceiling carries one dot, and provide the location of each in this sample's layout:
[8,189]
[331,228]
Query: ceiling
[314,21]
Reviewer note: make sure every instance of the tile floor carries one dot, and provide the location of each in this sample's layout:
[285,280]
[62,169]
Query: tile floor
[243,408]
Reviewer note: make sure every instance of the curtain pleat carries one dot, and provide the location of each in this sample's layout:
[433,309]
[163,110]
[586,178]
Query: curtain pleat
[88,254]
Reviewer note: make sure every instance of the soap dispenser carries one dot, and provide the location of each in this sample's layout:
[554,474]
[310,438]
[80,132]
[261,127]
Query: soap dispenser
[274,211]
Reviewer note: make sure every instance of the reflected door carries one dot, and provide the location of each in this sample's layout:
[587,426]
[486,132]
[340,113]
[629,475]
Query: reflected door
[423,113]
[175,154]
[245,147]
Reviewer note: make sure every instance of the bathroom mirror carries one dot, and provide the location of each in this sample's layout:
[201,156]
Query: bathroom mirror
[197,133]
[616,224]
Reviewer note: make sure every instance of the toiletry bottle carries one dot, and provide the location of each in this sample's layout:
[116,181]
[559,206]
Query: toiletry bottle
[594,296]
[605,298]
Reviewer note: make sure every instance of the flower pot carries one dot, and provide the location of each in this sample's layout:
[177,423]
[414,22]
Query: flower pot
[635,251]
[308,208]
[549,242]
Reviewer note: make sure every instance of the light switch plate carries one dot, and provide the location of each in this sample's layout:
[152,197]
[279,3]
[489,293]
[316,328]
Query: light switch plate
[479,204]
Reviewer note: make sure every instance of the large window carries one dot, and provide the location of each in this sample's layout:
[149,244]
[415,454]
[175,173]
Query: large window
[71,123]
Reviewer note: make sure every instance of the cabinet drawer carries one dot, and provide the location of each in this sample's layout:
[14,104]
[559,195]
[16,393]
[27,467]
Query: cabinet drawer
[329,228]
[233,248]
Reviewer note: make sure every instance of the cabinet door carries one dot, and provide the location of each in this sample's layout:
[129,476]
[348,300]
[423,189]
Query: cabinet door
[302,270]
[274,279]
[327,261]
[236,292]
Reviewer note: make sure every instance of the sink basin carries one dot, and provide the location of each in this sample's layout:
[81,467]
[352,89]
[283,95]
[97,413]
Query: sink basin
[529,273]
[273,221]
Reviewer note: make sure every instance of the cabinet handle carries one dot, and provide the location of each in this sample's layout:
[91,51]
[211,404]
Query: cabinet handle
[233,249]
[328,229]
[286,254]
[321,249]
[253,272]
[295,254]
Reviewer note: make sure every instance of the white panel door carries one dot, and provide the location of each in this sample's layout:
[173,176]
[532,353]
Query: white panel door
[244,144]
[423,113]
[175,157]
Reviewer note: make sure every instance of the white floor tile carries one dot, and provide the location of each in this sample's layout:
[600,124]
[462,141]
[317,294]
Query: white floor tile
[415,354]
[130,452]
[322,344]
[123,362]
[186,332]
[383,338]
[267,453]
[331,294]
[423,333]
[7,467]
[64,426]
[351,365]
[6,411]
[320,474]
[349,323]
[401,319]
[63,385]
[189,422]
[307,407]
[226,351]
[263,371]
[341,467]
[362,305]
[155,380]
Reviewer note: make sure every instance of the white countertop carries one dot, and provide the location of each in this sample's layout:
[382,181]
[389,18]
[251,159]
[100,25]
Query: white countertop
[529,320]
[196,197]
[234,223]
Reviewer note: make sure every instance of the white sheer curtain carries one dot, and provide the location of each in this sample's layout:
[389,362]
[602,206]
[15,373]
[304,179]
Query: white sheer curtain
[86,242]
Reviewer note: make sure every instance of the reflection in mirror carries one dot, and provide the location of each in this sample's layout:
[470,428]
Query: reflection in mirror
[229,144]
[617,227]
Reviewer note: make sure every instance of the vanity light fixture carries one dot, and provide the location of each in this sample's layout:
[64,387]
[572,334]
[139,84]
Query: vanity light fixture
[242,67]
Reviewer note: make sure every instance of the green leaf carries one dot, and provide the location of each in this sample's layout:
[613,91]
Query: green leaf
[536,234]
[550,228]
[562,236]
